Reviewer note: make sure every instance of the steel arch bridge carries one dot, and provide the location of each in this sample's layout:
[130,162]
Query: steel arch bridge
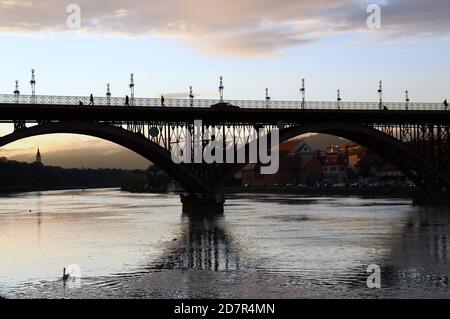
[415,137]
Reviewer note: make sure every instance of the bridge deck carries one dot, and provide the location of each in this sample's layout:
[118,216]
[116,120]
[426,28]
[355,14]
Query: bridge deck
[38,112]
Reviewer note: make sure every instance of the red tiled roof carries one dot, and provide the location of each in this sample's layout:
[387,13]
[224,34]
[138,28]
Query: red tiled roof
[289,145]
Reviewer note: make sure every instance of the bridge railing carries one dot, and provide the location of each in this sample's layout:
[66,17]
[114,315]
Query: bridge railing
[176,102]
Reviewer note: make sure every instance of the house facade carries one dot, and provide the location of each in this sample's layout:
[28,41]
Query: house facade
[299,164]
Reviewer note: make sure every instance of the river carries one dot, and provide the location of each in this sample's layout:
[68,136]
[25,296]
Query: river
[265,246]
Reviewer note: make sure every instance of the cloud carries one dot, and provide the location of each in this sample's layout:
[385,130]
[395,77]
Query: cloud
[402,21]
[233,27]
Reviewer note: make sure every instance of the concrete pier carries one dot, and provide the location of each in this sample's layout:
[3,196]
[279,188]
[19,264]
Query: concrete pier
[202,204]
[430,198]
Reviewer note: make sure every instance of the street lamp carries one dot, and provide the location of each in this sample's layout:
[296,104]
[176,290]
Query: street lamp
[17,92]
[339,99]
[221,87]
[406,99]
[33,87]
[108,94]
[380,94]
[267,97]
[191,96]
[132,89]
[303,92]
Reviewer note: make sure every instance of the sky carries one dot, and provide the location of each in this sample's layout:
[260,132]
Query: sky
[255,44]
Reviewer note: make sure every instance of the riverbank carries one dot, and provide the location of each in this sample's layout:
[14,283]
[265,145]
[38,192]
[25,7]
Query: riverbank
[394,192]
[27,189]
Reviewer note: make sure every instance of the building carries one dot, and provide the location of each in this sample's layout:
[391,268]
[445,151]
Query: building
[309,171]
[38,157]
[299,164]
[354,153]
[335,166]
[389,173]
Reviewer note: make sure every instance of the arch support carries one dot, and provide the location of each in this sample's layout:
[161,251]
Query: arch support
[132,141]
[422,173]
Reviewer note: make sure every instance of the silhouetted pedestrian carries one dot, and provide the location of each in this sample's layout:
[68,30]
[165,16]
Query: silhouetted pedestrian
[80,103]
[162,100]
[446,104]
[91,100]
[385,108]
[127,101]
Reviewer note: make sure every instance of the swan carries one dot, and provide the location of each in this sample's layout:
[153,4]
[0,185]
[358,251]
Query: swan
[65,276]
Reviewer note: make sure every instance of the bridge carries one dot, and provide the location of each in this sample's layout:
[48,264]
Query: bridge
[415,137]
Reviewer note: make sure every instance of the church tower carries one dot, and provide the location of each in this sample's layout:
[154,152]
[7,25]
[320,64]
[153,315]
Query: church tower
[38,157]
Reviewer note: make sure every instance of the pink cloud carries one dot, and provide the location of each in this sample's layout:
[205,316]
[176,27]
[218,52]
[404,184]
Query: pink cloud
[233,27]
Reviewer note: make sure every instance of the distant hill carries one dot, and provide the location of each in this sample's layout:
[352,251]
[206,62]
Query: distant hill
[322,141]
[88,158]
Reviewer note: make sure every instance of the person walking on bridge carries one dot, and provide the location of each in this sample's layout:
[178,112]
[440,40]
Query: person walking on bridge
[445,104]
[127,100]
[162,100]
[91,100]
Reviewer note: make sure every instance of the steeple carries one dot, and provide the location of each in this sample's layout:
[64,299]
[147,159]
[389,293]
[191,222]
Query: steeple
[38,157]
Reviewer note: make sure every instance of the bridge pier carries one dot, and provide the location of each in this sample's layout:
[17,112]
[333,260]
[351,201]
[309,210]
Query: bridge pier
[431,198]
[202,204]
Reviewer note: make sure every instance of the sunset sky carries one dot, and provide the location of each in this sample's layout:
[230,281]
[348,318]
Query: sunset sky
[254,44]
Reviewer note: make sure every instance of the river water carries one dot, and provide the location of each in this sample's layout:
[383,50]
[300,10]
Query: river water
[265,246]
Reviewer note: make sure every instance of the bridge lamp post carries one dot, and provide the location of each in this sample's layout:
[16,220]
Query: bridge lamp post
[33,87]
[108,94]
[221,88]
[191,96]
[267,98]
[380,94]
[406,99]
[132,89]
[303,92]
[17,92]
[339,99]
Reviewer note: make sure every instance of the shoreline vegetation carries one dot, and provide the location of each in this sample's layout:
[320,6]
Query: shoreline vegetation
[17,177]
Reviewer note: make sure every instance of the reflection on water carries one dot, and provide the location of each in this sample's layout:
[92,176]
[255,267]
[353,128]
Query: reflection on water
[202,245]
[281,246]
[419,260]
